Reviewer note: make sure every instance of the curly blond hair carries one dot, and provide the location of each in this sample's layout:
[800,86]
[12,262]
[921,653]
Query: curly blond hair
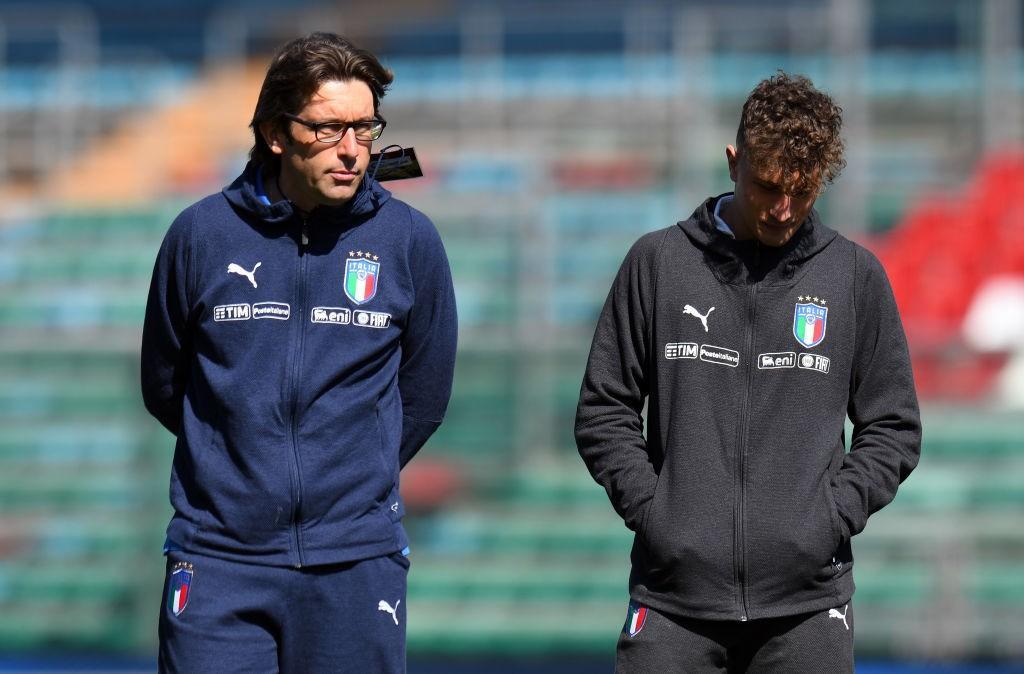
[791,129]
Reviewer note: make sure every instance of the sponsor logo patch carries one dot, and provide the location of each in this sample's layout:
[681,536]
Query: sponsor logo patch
[677,350]
[234,268]
[689,310]
[774,361]
[388,608]
[179,586]
[231,312]
[812,361]
[371,319]
[809,320]
[834,613]
[276,310]
[335,315]
[362,276]
[636,616]
[719,355]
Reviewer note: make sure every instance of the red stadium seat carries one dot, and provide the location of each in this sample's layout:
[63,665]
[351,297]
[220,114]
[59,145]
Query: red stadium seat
[943,251]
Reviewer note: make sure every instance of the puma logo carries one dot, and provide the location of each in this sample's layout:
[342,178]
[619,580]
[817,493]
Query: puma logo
[251,275]
[693,312]
[834,613]
[386,607]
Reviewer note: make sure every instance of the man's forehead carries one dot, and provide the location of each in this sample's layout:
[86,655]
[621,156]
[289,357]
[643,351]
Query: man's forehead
[351,93]
[771,171]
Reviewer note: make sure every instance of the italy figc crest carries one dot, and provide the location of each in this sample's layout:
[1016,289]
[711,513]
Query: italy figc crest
[179,586]
[636,616]
[809,321]
[362,275]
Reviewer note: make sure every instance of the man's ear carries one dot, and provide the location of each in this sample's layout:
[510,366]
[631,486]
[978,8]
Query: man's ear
[732,156]
[273,136]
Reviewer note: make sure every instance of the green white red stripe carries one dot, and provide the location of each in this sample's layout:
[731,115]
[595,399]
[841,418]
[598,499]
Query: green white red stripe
[360,285]
[361,280]
[635,619]
[179,586]
[809,323]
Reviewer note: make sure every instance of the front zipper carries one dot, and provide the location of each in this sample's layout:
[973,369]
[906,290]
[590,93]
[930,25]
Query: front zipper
[294,392]
[741,446]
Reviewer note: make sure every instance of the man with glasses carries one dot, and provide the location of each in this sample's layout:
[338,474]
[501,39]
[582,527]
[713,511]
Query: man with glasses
[750,331]
[299,341]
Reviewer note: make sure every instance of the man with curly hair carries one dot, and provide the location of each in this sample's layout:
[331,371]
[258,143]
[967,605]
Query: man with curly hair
[750,332]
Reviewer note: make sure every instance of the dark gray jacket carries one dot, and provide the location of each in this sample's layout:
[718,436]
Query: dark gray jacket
[742,494]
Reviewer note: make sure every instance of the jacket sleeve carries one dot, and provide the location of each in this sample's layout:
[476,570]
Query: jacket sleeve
[609,421]
[428,343]
[886,441]
[165,336]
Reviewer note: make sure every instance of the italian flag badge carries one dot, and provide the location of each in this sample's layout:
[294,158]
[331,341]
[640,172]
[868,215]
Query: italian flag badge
[636,616]
[809,322]
[361,277]
[179,586]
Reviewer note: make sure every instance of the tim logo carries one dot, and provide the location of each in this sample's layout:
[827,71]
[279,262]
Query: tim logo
[275,310]
[231,312]
[335,315]
[775,361]
[677,350]
[371,319]
[811,361]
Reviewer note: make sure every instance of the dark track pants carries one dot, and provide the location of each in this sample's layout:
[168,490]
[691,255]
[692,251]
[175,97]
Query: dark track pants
[810,642]
[255,619]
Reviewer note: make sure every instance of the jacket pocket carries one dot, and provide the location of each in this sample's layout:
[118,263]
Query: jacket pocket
[381,441]
[686,542]
[790,545]
[390,500]
[647,510]
[833,514]
[824,535]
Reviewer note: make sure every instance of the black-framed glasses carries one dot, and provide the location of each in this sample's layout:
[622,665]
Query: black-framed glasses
[332,132]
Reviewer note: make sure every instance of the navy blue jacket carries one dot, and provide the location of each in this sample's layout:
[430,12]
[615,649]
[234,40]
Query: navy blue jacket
[300,361]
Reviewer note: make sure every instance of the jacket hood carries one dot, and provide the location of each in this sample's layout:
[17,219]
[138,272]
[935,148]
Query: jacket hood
[739,262]
[243,194]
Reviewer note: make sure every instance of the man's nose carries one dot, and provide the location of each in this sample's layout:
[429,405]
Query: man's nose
[348,145]
[781,209]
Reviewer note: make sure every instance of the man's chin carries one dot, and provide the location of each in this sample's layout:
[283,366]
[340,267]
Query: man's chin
[338,195]
[775,236]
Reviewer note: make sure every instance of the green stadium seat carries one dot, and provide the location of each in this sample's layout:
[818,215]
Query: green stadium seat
[989,583]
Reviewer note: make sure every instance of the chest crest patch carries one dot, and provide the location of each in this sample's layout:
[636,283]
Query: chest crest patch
[362,276]
[809,320]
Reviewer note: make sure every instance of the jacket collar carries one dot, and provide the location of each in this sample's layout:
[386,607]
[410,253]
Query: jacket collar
[742,262]
[368,199]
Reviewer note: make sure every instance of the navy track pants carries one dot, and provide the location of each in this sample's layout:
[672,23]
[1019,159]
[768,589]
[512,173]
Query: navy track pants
[224,616]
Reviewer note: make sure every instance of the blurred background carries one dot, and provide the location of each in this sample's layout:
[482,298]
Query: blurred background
[552,134]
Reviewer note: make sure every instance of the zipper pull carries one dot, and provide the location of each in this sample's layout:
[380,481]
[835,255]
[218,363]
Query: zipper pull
[304,237]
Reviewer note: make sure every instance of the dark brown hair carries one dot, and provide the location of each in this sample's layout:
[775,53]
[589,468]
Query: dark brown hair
[788,126]
[297,71]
